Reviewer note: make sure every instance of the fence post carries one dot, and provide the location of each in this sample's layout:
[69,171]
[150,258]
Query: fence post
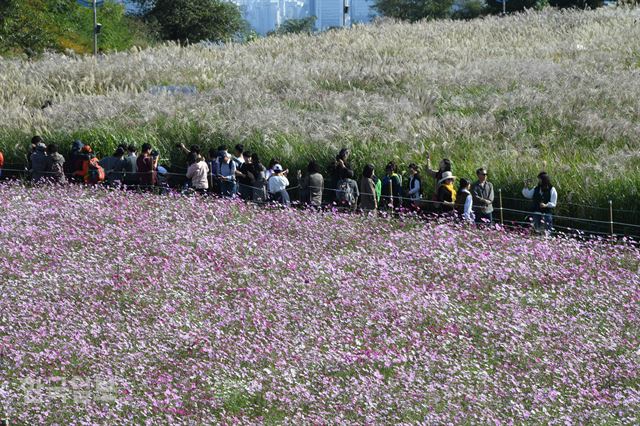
[501,211]
[611,215]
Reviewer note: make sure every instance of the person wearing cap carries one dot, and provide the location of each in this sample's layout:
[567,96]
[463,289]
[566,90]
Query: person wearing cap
[277,185]
[446,192]
[482,191]
[269,172]
[113,166]
[215,158]
[226,175]
[39,163]
[464,201]
[55,165]
[544,199]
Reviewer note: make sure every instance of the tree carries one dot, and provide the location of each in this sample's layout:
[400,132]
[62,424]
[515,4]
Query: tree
[468,9]
[32,26]
[297,26]
[190,21]
[579,4]
[518,5]
[23,27]
[414,10]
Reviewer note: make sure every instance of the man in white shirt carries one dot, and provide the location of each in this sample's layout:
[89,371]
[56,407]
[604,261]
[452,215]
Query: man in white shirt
[277,185]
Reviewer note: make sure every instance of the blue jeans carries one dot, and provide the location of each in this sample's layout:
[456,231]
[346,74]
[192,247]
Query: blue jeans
[282,197]
[227,188]
[543,222]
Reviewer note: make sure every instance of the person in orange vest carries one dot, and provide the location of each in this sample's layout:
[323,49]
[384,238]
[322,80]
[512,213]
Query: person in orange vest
[1,163]
[91,171]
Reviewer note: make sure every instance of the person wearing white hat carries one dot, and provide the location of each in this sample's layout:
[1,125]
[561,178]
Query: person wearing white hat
[277,185]
[446,192]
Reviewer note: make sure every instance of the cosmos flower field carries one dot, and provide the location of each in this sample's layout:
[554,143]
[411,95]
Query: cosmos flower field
[122,308]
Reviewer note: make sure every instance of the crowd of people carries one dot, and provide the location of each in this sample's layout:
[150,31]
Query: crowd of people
[241,174]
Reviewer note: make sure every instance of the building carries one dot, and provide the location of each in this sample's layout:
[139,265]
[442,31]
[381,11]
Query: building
[267,15]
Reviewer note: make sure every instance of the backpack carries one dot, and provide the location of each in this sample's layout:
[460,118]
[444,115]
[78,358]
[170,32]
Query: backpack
[345,193]
[95,173]
[57,170]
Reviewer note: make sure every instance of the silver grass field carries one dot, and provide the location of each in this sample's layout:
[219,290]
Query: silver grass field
[552,90]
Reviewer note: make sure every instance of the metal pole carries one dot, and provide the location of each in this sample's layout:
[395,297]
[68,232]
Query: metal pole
[501,212]
[504,7]
[611,215]
[344,19]
[95,27]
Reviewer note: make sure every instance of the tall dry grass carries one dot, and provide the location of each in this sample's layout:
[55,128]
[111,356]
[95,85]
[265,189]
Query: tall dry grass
[555,90]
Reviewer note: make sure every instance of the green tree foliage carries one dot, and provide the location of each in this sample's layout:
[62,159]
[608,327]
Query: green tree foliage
[31,26]
[190,21]
[297,26]
[23,27]
[468,9]
[414,10]
[579,4]
[518,5]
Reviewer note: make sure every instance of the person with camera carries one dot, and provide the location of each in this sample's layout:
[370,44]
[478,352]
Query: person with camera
[277,185]
[147,165]
[544,199]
